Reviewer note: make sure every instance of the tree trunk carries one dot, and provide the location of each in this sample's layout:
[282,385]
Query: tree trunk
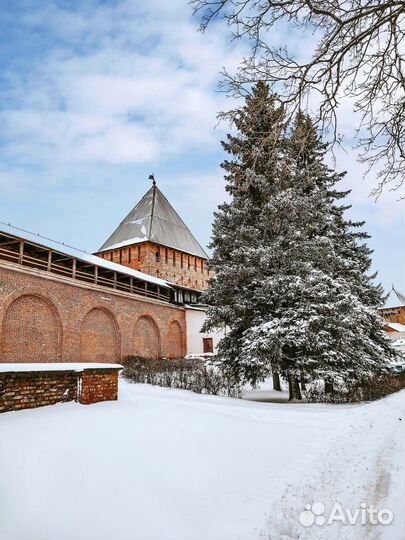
[302,380]
[328,386]
[276,382]
[293,388]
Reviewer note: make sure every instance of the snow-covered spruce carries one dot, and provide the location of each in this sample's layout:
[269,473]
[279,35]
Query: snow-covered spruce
[291,280]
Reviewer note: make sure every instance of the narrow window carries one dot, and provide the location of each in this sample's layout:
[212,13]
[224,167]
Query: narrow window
[139,253]
[166,255]
[195,264]
[181,260]
[129,255]
[174,258]
[157,256]
[208,345]
[188,262]
[202,266]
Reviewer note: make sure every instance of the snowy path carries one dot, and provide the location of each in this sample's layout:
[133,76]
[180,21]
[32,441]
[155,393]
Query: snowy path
[363,463]
[162,465]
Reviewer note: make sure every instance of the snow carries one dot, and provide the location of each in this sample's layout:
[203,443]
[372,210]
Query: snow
[80,255]
[62,366]
[170,465]
[200,356]
[134,240]
[399,344]
[396,326]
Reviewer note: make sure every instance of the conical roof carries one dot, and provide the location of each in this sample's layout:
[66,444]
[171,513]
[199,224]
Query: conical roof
[155,220]
[394,299]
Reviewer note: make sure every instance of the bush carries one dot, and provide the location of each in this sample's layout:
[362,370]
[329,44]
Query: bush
[354,392]
[202,377]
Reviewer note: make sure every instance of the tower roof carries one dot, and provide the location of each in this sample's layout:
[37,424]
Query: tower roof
[394,299]
[154,220]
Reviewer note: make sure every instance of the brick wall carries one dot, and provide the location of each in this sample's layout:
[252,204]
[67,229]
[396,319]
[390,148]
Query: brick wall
[47,318]
[28,390]
[31,389]
[98,385]
[172,265]
[393,315]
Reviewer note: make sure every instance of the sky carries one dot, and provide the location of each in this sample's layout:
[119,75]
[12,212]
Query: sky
[97,95]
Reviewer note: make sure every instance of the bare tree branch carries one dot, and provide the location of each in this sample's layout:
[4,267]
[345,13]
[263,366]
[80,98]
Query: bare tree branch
[358,54]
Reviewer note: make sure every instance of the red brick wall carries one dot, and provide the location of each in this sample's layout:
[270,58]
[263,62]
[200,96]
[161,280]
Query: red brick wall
[98,337]
[146,338]
[175,340]
[44,317]
[98,385]
[393,315]
[31,322]
[31,389]
[27,390]
[173,266]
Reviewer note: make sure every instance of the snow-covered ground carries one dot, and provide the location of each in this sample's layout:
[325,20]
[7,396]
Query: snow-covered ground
[163,464]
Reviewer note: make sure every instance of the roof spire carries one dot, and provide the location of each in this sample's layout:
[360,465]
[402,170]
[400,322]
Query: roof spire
[152,177]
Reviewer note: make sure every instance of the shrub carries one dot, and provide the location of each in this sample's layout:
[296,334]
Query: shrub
[354,392]
[202,377]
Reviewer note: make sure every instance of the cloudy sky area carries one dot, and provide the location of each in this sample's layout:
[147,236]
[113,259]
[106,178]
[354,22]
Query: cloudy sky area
[96,95]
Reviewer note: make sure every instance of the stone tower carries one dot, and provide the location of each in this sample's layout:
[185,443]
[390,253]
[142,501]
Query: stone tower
[155,240]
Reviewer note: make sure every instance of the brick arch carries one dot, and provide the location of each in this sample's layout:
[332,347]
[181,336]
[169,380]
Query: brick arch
[31,329]
[146,338]
[175,340]
[99,338]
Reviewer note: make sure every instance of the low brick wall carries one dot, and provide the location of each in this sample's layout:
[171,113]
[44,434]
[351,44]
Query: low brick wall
[99,385]
[32,386]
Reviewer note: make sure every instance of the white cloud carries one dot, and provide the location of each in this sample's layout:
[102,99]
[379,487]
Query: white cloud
[123,89]
[127,83]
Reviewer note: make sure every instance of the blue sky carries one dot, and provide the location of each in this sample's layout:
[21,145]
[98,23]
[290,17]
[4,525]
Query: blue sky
[96,95]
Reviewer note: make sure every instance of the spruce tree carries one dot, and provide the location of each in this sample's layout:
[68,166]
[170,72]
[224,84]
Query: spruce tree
[255,152]
[327,326]
[291,279]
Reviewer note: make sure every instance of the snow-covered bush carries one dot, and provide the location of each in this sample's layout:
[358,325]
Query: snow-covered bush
[202,377]
[370,389]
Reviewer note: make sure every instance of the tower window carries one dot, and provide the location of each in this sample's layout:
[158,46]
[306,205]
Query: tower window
[157,256]
[202,266]
[166,255]
[181,260]
[139,253]
[174,258]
